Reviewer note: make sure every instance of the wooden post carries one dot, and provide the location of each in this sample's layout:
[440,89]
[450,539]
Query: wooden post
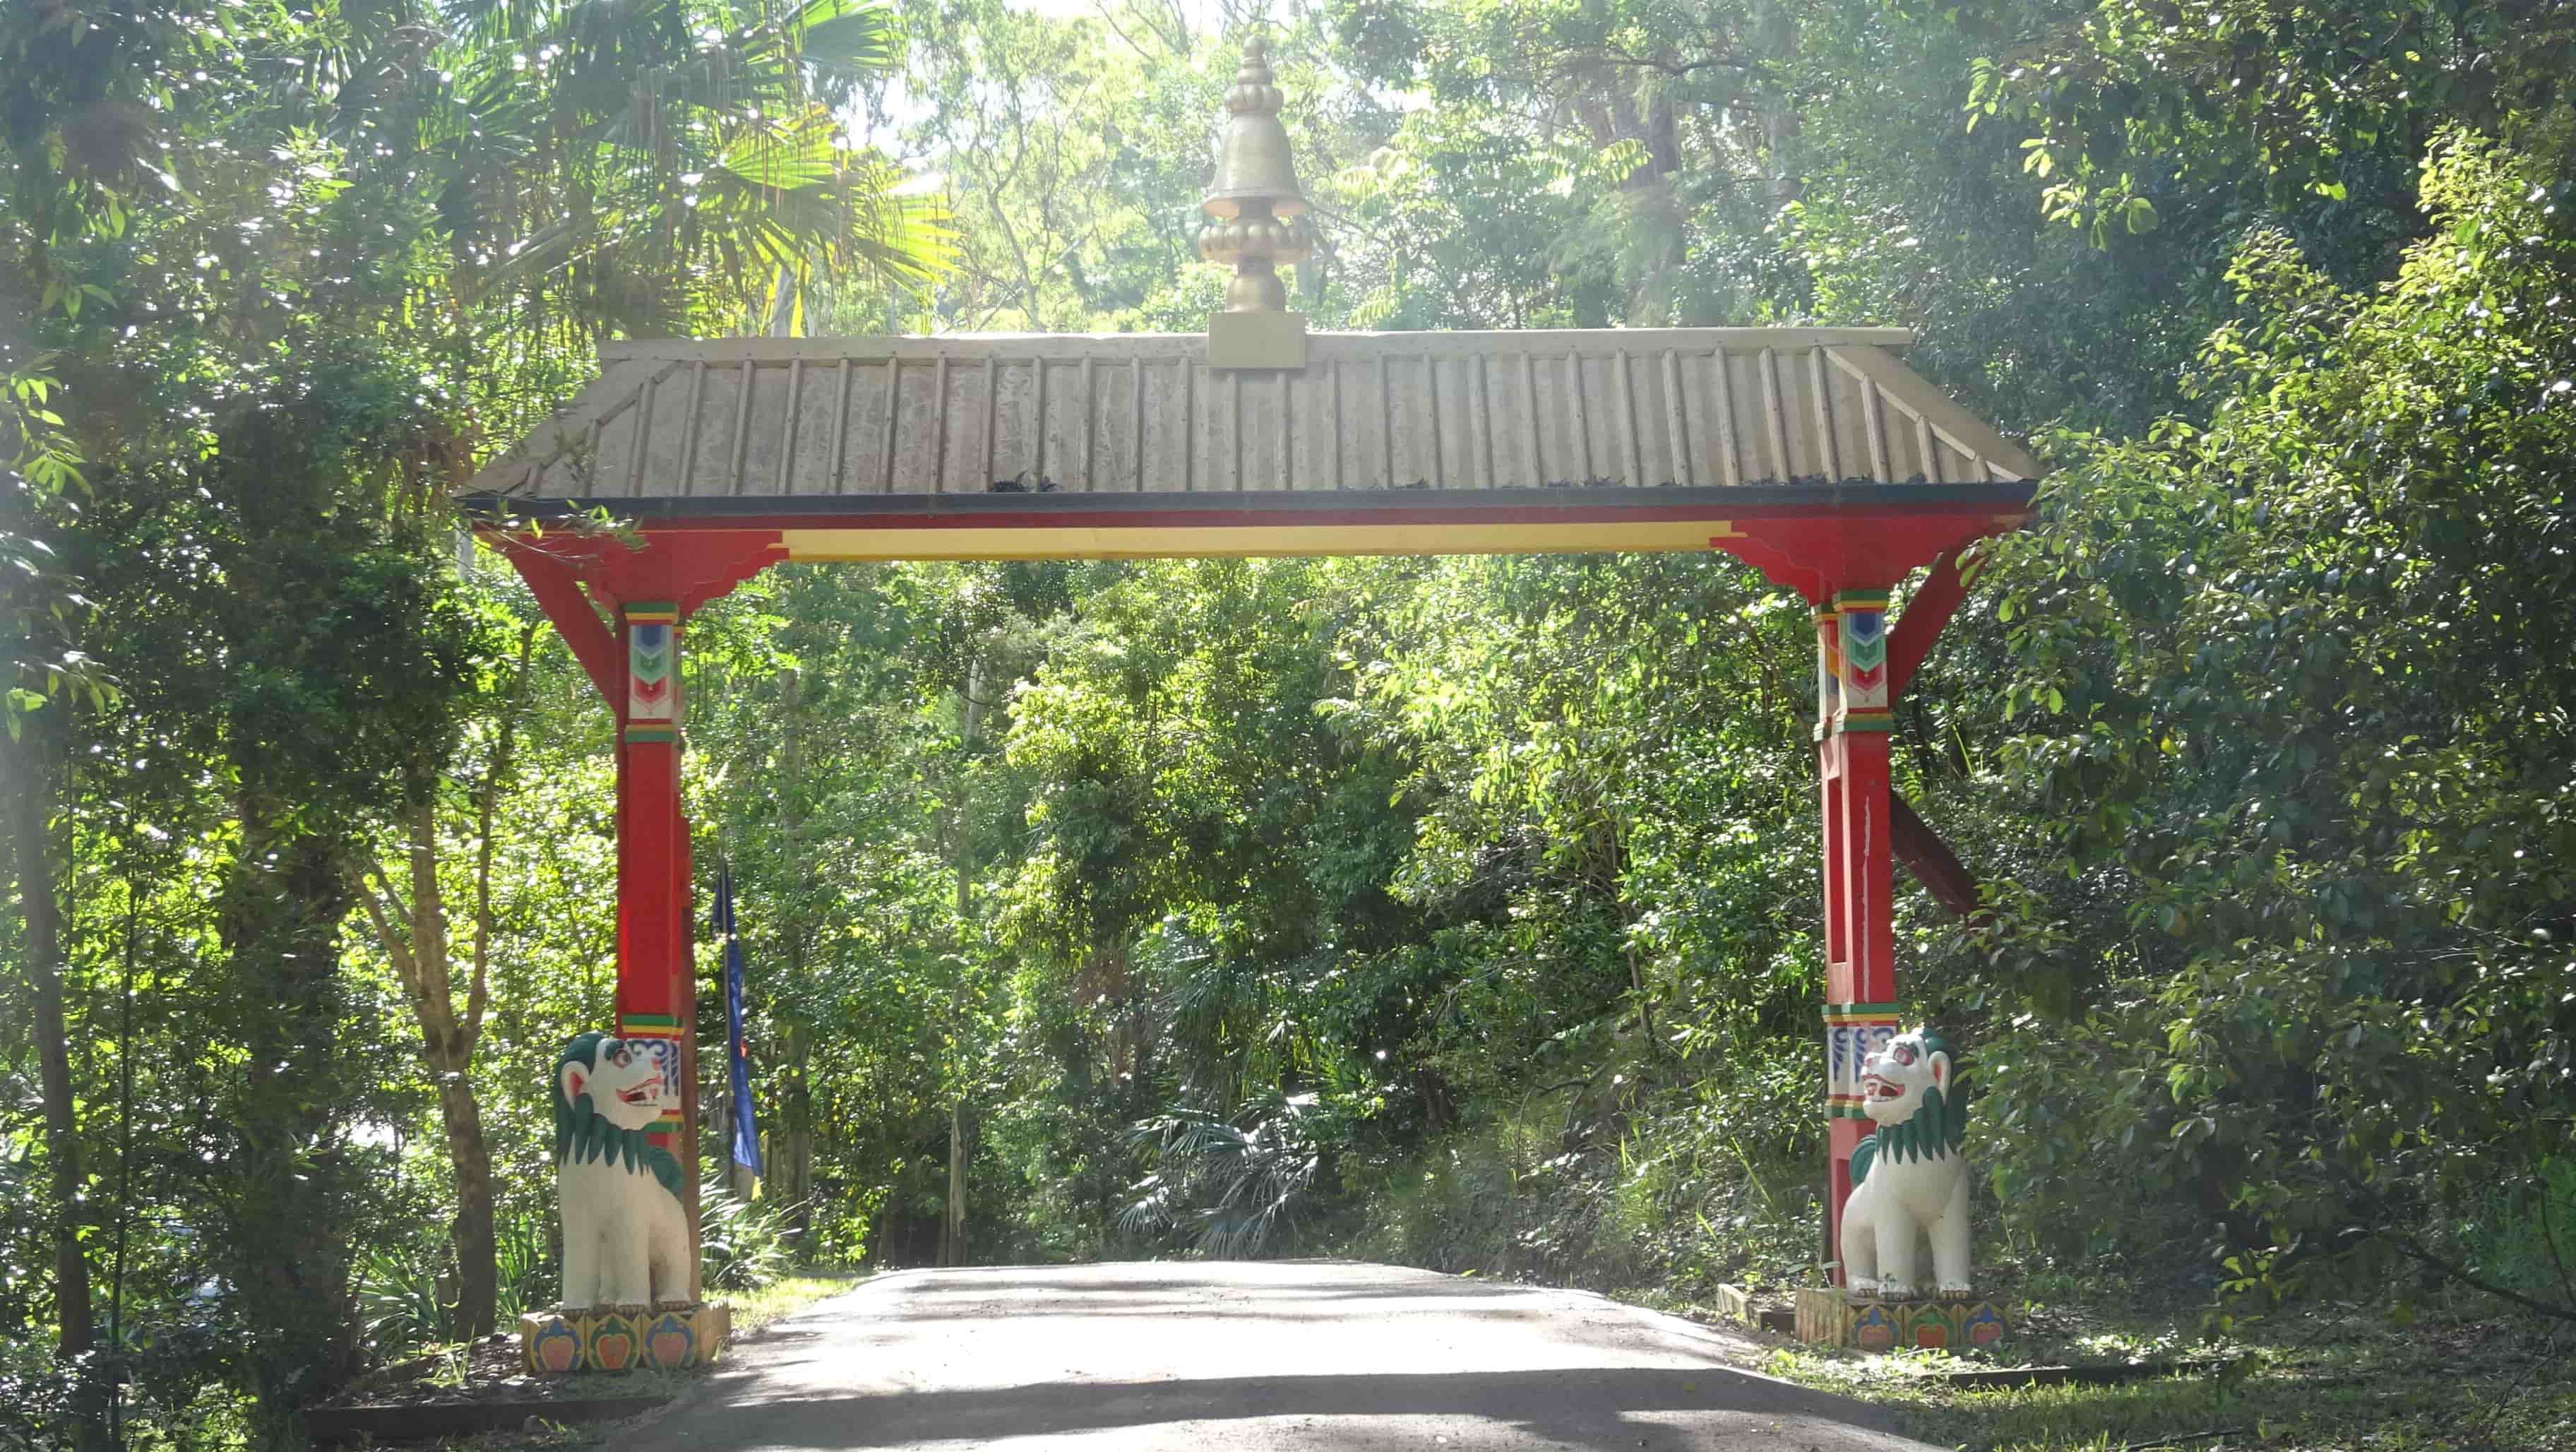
[1852,697]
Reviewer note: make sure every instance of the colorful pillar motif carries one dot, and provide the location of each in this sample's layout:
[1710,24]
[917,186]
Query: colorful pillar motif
[1852,717]
[1853,1032]
[652,682]
[1863,703]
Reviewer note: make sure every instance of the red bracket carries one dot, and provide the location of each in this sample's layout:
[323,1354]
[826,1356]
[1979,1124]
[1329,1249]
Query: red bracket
[554,580]
[580,578]
[1927,610]
[1818,555]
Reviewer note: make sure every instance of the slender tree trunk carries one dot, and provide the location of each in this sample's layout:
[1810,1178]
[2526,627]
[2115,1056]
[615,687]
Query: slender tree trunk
[792,1138]
[478,1289]
[953,1249]
[30,806]
[290,1185]
[788,1161]
[124,1159]
[1783,152]
[416,940]
[953,1246]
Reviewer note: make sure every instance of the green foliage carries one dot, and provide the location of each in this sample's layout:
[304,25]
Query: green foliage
[689,161]
[2135,104]
[2306,792]
[1239,1188]
[745,1244]
[400,1299]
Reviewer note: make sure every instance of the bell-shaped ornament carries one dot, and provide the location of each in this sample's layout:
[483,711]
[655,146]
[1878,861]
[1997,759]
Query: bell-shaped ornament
[1253,159]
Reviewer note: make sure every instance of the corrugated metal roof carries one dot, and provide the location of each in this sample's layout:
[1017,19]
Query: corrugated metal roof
[1143,413]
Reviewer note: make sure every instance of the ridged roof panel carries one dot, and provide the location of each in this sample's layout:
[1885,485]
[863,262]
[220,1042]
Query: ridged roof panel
[1144,414]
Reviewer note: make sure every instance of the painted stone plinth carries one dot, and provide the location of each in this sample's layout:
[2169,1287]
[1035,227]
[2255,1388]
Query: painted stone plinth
[1836,1318]
[606,1338]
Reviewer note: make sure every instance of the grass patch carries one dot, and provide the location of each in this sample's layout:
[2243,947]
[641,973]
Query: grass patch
[2329,1379]
[785,1297]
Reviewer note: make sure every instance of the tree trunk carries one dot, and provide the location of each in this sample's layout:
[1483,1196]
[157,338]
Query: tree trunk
[788,1160]
[417,942]
[289,1186]
[953,1247]
[791,1129]
[30,807]
[478,1289]
[952,1226]
[1783,154]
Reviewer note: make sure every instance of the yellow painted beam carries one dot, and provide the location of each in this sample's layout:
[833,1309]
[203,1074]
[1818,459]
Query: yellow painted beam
[1078,542]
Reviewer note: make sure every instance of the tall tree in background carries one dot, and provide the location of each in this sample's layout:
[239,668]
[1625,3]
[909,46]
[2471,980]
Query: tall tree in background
[409,914]
[204,216]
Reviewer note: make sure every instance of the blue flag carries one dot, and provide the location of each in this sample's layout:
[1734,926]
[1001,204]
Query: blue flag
[746,1126]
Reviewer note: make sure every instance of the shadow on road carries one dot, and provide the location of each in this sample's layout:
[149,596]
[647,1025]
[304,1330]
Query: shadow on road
[958,1283]
[1582,1408]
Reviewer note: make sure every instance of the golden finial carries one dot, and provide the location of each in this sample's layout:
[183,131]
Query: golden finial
[1254,198]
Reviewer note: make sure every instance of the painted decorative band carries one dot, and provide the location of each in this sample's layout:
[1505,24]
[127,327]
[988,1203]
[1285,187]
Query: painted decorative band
[647,735]
[1860,599]
[1850,1039]
[632,1024]
[652,612]
[1864,721]
[1877,1010]
[1845,1111]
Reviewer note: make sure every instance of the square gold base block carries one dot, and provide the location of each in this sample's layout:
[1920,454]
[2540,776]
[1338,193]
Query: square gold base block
[1256,340]
[1836,1318]
[605,1338]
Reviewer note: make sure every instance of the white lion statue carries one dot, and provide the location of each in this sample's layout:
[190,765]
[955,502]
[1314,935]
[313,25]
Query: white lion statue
[625,1233]
[1908,1181]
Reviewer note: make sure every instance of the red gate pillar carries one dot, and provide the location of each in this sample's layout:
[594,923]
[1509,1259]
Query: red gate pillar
[656,974]
[1852,697]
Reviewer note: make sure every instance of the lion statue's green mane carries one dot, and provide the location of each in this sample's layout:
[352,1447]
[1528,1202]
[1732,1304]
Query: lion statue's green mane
[582,1133]
[1933,1131]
